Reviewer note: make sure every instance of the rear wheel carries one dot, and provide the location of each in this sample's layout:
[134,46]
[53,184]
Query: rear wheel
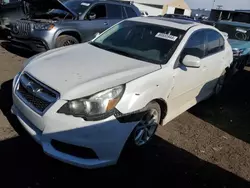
[221,83]
[65,40]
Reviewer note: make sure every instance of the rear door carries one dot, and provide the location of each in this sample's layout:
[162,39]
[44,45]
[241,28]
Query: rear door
[215,57]
[115,13]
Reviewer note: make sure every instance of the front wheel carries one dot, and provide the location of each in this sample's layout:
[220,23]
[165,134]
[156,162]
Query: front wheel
[142,133]
[147,126]
[65,40]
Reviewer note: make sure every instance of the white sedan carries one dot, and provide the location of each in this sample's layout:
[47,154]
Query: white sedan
[85,102]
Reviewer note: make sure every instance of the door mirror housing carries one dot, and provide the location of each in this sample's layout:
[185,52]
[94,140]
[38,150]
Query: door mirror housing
[191,61]
[92,16]
[96,36]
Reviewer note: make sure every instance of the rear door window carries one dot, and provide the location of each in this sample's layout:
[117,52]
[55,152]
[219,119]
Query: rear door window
[215,42]
[130,12]
[114,11]
[195,45]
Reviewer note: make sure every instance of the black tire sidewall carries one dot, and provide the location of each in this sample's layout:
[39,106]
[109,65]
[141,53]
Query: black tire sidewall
[225,79]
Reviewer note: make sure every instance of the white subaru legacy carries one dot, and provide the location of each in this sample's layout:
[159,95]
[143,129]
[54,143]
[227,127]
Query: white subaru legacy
[85,103]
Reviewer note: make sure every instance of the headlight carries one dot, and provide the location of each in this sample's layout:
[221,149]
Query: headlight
[96,107]
[237,52]
[42,26]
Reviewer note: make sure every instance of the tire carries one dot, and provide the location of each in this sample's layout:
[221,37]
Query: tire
[144,129]
[221,83]
[65,40]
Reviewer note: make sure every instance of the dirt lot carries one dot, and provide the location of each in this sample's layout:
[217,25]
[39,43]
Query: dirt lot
[209,146]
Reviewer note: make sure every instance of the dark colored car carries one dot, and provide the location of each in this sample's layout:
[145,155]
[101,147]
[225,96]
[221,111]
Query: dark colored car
[239,39]
[10,11]
[67,22]
[180,16]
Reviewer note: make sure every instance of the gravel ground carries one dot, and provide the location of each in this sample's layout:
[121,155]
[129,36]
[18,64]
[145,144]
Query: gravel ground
[208,146]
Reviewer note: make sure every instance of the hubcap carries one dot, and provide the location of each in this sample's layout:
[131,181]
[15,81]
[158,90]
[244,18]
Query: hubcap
[68,42]
[146,127]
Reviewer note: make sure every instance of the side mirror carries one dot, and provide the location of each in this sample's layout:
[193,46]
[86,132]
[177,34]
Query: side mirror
[92,16]
[95,36]
[191,61]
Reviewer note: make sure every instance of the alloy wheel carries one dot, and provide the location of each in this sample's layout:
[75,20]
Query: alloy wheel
[146,127]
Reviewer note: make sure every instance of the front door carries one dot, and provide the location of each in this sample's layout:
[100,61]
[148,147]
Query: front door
[188,81]
[95,21]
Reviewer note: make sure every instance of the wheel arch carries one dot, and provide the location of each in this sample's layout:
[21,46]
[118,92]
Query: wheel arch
[70,32]
[163,106]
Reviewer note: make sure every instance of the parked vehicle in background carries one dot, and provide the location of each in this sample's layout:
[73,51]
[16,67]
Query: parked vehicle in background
[68,22]
[144,13]
[9,11]
[152,70]
[180,16]
[16,9]
[239,39]
[208,22]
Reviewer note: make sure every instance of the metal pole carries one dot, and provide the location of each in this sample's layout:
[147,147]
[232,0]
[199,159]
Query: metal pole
[213,4]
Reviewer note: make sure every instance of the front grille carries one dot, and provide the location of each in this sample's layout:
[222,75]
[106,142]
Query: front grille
[35,101]
[21,28]
[35,94]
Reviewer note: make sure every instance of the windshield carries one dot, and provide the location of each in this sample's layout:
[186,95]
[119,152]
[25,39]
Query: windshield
[79,7]
[143,41]
[234,32]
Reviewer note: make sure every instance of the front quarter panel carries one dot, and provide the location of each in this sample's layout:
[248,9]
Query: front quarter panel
[141,91]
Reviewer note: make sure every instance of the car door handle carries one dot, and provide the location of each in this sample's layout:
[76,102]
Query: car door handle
[105,23]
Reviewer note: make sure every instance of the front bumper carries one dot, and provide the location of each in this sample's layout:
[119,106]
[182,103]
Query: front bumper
[34,45]
[105,138]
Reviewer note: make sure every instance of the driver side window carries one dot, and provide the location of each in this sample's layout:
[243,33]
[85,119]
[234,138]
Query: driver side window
[195,45]
[97,12]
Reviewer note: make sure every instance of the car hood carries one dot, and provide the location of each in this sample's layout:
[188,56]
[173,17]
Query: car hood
[239,44]
[83,69]
[50,4]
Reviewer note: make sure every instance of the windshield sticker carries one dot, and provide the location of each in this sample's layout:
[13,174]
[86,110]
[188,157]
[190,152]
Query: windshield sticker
[166,36]
[85,4]
[241,30]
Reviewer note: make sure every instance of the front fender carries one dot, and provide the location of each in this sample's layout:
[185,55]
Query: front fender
[60,31]
[141,91]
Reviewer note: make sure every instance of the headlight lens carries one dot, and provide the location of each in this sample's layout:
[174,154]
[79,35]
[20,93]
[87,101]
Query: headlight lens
[237,52]
[42,26]
[95,107]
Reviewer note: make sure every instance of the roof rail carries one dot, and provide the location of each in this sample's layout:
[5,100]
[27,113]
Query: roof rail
[121,1]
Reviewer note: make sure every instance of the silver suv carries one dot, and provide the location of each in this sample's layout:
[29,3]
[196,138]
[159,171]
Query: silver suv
[67,22]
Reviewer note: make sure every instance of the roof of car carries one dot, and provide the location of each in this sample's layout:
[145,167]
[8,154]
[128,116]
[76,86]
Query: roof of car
[172,22]
[239,24]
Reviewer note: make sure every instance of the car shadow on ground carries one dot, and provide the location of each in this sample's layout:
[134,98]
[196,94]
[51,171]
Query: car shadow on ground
[4,33]
[17,51]
[23,164]
[230,110]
